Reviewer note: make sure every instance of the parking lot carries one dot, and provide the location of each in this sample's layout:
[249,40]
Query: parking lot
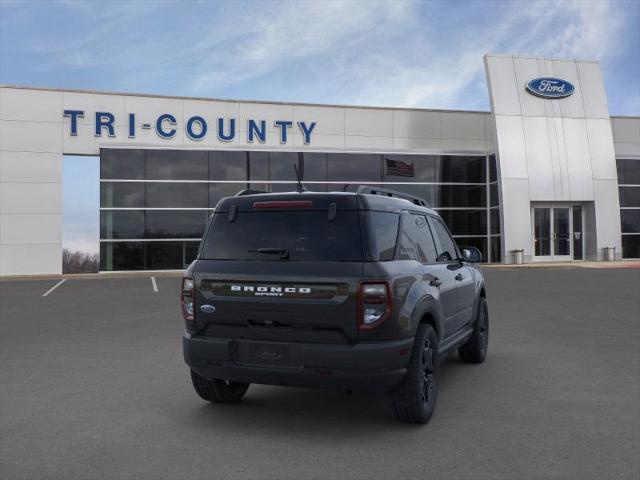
[93,385]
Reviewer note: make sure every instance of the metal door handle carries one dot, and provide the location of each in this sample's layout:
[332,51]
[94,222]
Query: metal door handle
[459,277]
[436,282]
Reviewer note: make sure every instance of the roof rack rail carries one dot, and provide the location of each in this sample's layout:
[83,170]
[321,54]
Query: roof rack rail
[366,189]
[249,191]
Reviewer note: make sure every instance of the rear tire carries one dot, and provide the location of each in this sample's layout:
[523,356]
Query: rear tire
[475,349]
[415,400]
[218,391]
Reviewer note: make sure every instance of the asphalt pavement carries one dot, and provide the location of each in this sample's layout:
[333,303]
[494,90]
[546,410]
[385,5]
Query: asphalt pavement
[93,386]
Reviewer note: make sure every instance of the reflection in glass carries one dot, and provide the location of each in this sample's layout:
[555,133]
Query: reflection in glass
[542,231]
[225,165]
[561,234]
[175,223]
[177,195]
[629,196]
[122,256]
[123,164]
[348,167]
[577,232]
[121,224]
[630,221]
[630,246]
[628,171]
[465,222]
[119,195]
[177,165]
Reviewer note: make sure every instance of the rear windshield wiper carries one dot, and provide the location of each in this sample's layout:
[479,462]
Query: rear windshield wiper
[283,252]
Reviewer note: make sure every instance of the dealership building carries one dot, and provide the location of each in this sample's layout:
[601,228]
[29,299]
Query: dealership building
[546,175]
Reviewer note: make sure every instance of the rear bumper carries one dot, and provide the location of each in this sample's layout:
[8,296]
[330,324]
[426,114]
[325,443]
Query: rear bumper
[370,366]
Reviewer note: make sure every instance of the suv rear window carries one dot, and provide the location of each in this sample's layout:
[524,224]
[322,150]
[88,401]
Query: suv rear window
[303,235]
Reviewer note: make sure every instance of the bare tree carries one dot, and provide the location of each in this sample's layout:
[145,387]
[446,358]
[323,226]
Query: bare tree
[79,262]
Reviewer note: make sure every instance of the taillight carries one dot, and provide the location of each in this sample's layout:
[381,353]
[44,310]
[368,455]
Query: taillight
[186,298]
[374,304]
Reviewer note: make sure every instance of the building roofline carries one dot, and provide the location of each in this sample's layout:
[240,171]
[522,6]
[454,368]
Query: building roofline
[262,102]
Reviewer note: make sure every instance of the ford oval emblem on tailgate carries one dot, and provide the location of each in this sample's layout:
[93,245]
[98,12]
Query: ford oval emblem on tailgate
[207,308]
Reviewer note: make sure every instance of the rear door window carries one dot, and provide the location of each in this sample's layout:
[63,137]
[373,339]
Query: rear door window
[448,250]
[416,241]
[302,235]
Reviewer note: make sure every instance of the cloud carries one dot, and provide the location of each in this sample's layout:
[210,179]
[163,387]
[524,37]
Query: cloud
[392,53]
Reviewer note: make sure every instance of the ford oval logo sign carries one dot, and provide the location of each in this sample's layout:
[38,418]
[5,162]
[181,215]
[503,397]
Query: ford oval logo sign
[550,87]
[207,308]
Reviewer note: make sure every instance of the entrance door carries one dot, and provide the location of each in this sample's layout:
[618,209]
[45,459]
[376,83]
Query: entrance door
[561,234]
[557,233]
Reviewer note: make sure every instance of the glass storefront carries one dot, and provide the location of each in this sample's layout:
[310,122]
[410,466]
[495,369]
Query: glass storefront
[629,191]
[154,204]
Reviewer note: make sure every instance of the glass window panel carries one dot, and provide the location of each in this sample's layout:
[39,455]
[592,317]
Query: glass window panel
[479,242]
[628,171]
[382,228]
[226,165]
[190,252]
[442,196]
[259,166]
[630,221]
[631,246]
[122,256]
[119,195]
[305,235]
[281,165]
[465,222]
[164,255]
[347,167]
[493,169]
[417,229]
[496,252]
[177,165]
[218,191]
[494,217]
[315,166]
[461,169]
[124,164]
[121,224]
[411,168]
[175,223]
[629,196]
[177,195]
[283,187]
[494,199]
[447,250]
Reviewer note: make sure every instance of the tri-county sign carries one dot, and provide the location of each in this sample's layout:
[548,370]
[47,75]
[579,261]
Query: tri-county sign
[196,127]
[550,87]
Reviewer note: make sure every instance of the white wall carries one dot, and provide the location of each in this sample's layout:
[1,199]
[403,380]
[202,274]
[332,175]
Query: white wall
[552,150]
[34,135]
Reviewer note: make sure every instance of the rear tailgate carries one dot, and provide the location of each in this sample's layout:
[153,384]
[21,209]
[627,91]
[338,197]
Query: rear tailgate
[278,301]
[281,267]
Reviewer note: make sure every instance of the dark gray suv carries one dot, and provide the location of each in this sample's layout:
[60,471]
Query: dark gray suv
[353,291]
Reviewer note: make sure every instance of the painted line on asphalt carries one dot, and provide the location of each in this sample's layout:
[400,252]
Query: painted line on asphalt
[54,287]
[154,284]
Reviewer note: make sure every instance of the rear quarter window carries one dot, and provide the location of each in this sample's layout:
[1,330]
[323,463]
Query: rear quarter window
[382,234]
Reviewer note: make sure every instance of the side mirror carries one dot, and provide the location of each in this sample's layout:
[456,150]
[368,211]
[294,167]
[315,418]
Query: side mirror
[471,254]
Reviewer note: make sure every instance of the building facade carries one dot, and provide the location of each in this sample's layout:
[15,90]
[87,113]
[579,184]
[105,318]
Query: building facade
[546,174]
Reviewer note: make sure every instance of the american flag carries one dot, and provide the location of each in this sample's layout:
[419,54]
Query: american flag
[399,168]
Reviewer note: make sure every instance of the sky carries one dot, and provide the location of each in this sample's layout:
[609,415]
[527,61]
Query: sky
[396,53]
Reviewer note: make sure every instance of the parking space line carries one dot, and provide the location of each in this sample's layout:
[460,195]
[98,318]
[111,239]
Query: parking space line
[54,287]
[154,284]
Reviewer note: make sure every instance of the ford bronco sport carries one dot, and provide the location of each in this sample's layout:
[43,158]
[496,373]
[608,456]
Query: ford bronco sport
[352,291]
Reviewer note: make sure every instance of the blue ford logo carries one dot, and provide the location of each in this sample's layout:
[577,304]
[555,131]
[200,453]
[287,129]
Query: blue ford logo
[550,87]
[207,308]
